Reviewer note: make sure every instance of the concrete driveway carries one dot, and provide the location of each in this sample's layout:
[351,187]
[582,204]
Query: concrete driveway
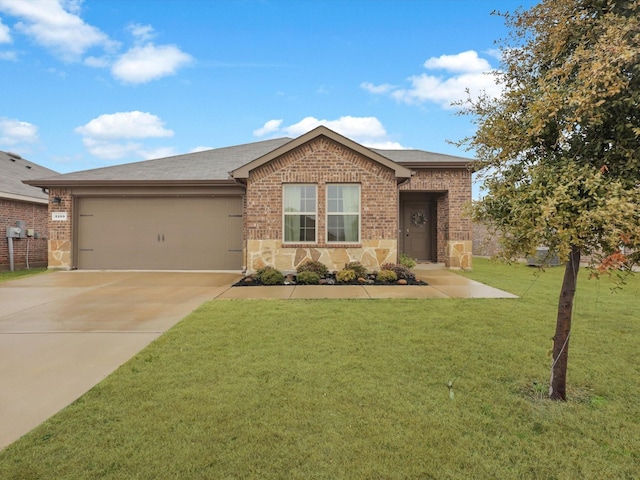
[61,333]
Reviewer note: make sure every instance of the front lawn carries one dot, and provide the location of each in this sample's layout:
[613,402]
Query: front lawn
[357,389]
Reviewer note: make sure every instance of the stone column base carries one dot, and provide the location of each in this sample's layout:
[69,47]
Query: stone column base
[459,254]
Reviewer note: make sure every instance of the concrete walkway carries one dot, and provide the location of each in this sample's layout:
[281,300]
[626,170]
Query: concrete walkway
[442,283]
[61,333]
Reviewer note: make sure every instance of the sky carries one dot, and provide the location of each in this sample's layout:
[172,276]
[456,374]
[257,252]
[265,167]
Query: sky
[94,83]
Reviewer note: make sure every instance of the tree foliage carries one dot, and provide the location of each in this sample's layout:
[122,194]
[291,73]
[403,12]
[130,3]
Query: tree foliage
[559,150]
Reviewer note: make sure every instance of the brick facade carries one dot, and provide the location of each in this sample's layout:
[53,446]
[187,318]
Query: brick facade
[320,162]
[60,239]
[35,217]
[454,235]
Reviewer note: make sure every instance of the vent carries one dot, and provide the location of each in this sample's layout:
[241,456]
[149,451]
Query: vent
[14,156]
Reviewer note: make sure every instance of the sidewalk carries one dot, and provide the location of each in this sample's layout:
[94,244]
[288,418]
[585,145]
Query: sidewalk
[442,283]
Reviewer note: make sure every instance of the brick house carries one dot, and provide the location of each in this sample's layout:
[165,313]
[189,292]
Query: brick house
[278,202]
[22,203]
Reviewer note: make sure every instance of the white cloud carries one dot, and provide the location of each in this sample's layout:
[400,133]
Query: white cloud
[463,71]
[142,33]
[49,24]
[125,125]
[371,88]
[108,136]
[5,34]
[13,132]
[57,26]
[269,127]
[462,62]
[9,56]
[368,131]
[200,149]
[159,152]
[142,64]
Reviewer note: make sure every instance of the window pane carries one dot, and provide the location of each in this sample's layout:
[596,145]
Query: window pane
[299,198]
[299,228]
[343,228]
[343,198]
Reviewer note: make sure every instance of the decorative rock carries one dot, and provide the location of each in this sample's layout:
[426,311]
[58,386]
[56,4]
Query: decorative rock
[402,281]
[362,280]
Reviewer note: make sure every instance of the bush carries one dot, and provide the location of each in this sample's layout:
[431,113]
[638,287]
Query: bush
[345,276]
[406,261]
[401,271]
[386,276]
[357,267]
[308,278]
[313,266]
[270,276]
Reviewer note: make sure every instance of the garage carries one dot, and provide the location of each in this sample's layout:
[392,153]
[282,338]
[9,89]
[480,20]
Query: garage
[159,233]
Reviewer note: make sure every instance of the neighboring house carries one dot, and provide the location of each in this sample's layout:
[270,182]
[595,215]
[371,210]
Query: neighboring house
[22,203]
[278,202]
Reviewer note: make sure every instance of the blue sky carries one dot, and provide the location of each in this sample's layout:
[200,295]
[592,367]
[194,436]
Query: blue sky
[95,83]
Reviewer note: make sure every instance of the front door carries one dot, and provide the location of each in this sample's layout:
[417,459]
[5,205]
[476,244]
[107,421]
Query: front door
[416,230]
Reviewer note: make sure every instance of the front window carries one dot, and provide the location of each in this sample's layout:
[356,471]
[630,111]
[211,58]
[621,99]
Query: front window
[299,211]
[343,213]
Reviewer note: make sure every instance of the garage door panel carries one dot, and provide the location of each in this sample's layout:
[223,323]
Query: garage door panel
[184,233]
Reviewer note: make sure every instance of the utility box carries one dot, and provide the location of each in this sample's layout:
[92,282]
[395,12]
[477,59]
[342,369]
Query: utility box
[14,232]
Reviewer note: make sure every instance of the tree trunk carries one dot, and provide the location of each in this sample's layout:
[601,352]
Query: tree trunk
[558,383]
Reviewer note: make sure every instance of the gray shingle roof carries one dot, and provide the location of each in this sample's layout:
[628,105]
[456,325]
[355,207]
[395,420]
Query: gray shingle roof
[407,157]
[206,165]
[13,170]
[215,165]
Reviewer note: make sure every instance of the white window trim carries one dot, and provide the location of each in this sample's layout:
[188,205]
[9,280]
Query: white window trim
[284,214]
[327,214]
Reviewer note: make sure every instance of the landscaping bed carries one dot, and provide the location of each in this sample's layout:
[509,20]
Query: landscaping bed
[315,273]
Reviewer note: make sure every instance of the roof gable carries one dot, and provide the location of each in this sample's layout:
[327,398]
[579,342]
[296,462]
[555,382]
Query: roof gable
[13,171]
[244,171]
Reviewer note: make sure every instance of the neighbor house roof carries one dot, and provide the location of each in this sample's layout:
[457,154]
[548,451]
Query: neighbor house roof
[222,166]
[13,171]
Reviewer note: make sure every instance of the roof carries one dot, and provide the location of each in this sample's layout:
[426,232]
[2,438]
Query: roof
[243,171]
[222,166]
[13,170]
[421,158]
[199,168]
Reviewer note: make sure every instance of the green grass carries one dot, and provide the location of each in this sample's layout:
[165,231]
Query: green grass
[357,389]
[5,276]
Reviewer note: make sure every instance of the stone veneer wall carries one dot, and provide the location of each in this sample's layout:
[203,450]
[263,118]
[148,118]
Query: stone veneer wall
[454,230]
[60,231]
[35,217]
[319,162]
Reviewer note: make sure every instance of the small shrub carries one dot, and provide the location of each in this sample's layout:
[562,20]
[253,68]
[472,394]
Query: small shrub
[345,276]
[357,267]
[308,278]
[406,260]
[313,266]
[401,271]
[270,276]
[386,276]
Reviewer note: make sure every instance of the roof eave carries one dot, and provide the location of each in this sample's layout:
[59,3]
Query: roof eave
[45,183]
[432,165]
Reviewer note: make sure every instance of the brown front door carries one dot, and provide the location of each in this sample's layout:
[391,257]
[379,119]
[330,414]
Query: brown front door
[416,230]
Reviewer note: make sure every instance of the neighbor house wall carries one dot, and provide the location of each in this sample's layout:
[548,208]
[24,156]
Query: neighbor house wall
[320,161]
[454,230]
[35,217]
